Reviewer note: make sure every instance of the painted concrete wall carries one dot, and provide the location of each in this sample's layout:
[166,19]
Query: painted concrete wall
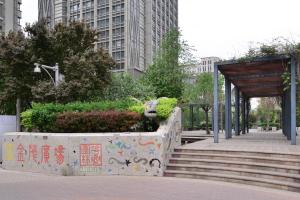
[7,124]
[141,154]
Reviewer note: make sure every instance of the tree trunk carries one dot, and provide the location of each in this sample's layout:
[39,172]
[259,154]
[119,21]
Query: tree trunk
[206,119]
[18,115]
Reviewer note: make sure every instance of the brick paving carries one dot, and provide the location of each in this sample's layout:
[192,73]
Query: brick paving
[31,186]
[253,141]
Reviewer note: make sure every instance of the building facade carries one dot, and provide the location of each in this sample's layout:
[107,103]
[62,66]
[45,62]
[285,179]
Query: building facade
[130,30]
[205,65]
[10,15]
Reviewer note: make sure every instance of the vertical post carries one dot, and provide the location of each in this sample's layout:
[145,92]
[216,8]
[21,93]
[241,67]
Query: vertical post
[247,114]
[243,115]
[227,109]
[56,69]
[288,113]
[293,101]
[212,119]
[191,117]
[216,105]
[283,114]
[18,115]
[237,112]
[198,117]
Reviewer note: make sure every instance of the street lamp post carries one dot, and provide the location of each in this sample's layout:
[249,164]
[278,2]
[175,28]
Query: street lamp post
[55,68]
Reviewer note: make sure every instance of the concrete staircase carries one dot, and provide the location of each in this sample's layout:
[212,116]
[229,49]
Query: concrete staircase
[274,170]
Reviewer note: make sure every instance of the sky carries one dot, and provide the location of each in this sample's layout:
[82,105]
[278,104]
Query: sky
[225,28]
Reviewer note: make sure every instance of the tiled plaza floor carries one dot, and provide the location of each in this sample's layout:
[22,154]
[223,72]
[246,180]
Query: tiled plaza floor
[253,141]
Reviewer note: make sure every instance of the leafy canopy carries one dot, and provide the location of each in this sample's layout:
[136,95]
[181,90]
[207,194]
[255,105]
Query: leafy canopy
[167,73]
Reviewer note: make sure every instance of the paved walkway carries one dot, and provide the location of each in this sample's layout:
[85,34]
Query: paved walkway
[253,141]
[30,186]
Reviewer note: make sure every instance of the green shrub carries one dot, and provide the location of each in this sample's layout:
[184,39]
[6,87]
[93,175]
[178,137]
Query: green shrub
[92,122]
[137,108]
[42,117]
[165,107]
[27,120]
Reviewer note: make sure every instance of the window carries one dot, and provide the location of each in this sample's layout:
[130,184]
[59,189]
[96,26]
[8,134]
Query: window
[120,55]
[117,44]
[75,8]
[103,23]
[118,8]
[118,32]
[118,20]
[103,35]
[103,12]
[18,20]
[18,6]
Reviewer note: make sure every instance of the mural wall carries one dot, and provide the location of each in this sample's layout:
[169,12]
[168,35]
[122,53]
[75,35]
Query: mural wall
[7,124]
[141,154]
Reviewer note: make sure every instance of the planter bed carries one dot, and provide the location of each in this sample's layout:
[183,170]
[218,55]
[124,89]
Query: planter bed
[137,154]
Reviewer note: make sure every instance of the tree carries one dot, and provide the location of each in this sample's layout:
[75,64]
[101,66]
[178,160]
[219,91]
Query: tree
[86,70]
[202,93]
[124,86]
[16,71]
[166,74]
[267,110]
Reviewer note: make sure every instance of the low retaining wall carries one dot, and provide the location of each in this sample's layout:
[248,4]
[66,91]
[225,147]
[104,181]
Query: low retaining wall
[142,154]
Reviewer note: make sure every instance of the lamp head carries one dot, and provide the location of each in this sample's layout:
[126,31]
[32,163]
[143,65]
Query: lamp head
[37,68]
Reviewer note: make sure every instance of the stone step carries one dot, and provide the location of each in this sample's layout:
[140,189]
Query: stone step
[185,140]
[236,171]
[237,164]
[242,158]
[246,153]
[236,179]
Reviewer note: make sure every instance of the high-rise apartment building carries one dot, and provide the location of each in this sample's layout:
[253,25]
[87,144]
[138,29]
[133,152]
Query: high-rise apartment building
[10,15]
[130,30]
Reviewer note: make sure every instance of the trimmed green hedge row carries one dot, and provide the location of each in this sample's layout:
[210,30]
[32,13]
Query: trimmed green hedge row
[92,122]
[43,117]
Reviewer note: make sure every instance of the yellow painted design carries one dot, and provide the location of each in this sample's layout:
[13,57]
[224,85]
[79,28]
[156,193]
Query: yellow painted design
[9,151]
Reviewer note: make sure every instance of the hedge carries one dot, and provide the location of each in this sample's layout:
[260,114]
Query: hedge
[42,117]
[165,107]
[92,122]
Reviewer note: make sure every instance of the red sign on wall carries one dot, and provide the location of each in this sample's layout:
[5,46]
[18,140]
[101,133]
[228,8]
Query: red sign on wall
[90,155]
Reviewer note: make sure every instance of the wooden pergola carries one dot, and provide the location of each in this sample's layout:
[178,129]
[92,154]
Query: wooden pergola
[260,77]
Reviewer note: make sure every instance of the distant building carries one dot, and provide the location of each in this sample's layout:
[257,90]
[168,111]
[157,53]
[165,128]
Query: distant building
[130,30]
[10,15]
[206,65]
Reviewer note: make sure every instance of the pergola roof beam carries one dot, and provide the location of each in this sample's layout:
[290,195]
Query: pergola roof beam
[255,76]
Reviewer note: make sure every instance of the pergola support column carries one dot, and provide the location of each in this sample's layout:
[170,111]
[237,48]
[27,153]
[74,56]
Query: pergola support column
[247,114]
[216,105]
[228,126]
[288,114]
[243,114]
[293,101]
[283,114]
[237,112]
